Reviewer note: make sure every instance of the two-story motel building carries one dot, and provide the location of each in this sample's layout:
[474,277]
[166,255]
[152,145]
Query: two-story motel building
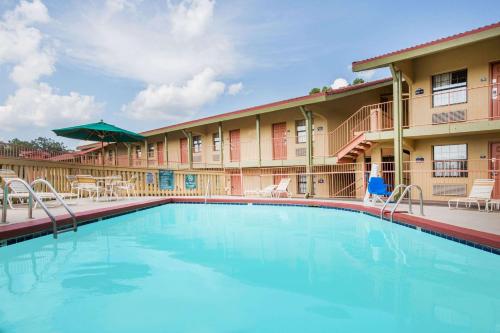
[435,123]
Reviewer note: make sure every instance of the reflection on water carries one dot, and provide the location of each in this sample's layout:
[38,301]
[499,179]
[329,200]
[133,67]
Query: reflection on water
[309,269]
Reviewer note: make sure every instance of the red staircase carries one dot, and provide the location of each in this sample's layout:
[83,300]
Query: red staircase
[357,146]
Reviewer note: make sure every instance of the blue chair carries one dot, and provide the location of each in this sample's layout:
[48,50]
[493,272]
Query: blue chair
[377,188]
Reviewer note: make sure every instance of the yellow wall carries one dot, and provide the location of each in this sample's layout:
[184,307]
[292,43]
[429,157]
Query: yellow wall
[476,58]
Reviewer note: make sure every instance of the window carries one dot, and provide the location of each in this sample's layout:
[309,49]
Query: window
[450,160]
[449,88]
[197,143]
[138,152]
[110,155]
[151,150]
[301,132]
[301,184]
[216,141]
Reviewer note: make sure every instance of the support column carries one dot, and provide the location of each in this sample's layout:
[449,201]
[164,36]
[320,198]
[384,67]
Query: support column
[165,149]
[129,154]
[309,149]
[116,153]
[189,136]
[221,139]
[397,111]
[146,152]
[257,131]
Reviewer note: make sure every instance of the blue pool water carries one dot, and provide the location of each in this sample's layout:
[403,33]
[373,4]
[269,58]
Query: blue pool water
[227,268]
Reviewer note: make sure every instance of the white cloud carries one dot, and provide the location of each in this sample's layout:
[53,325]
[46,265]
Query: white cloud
[339,83]
[175,103]
[30,53]
[234,88]
[166,46]
[191,18]
[23,45]
[39,106]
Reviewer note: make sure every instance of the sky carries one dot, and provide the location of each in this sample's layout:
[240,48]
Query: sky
[144,64]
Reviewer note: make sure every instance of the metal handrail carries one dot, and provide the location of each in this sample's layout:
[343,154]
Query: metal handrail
[58,198]
[32,195]
[393,194]
[410,209]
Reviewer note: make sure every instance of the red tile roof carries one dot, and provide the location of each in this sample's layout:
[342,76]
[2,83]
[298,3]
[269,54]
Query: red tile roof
[278,103]
[437,41]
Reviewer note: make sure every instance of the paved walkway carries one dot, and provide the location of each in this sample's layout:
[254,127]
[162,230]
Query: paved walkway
[466,218]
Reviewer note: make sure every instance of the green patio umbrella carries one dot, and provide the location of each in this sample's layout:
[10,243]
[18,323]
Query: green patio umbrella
[101,132]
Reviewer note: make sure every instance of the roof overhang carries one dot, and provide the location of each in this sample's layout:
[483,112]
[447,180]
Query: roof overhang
[275,106]
[462,39]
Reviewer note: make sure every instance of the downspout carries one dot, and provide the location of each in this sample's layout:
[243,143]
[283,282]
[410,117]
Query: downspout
[146,152]
[307,114]
[221,140]
[397,114]
[189,136]
[257,134]
[165,149]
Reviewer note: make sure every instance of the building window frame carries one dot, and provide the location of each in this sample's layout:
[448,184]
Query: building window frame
[216,142]
[449,88]
[197,143]
[151,150]
[301,184]
[450,161]
[138,152]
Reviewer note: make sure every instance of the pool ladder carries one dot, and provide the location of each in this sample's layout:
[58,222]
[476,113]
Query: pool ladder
[406,190]
[32,195]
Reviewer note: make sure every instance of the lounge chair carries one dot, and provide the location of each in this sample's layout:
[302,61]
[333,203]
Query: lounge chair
[481,191]
[282,188]
[493,203]
[378,189]
[266,192]
[20,193]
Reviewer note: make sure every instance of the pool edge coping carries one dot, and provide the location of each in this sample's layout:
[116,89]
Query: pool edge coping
[16,232]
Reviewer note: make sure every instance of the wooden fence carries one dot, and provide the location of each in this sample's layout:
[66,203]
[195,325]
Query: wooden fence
[56,172]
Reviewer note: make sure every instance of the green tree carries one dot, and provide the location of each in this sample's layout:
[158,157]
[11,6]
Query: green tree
[314,91]
[358,80]
[325,89]
[40,143]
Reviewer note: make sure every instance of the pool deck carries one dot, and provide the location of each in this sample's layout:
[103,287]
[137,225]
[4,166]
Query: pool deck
[463,224]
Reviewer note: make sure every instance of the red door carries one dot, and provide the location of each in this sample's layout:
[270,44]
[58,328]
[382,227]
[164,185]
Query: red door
[234,143]
[184,150]
[236,185]
[495,156]
[279,141]
[159,149]
[495,90]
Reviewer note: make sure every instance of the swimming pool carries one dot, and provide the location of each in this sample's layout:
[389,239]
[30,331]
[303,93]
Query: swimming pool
[241,268]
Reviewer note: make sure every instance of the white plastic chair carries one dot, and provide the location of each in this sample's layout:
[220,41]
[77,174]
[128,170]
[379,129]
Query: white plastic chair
[282,188]
[481,191]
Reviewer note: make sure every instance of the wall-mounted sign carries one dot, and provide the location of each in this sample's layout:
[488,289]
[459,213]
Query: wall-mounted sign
[190,182]
[420,159]
[419,91]
[150,178]
[166,180]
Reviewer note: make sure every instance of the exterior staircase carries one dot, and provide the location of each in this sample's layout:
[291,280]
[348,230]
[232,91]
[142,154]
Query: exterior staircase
[348,140]
[357,146]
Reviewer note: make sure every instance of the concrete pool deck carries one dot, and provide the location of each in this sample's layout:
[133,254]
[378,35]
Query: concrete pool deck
[470,224]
